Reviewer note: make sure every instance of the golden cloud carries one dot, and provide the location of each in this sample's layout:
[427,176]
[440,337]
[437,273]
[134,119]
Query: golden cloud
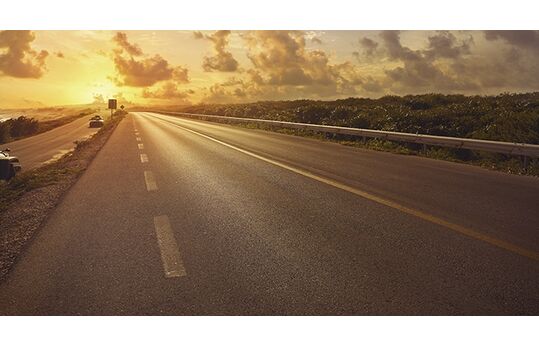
[20,60]
[223,60]
[144,71]
[283,67]
[121,40]
[168,90]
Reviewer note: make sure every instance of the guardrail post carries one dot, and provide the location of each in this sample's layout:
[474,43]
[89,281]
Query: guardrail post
[525,162]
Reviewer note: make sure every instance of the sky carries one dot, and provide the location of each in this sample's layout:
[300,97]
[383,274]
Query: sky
[49,68]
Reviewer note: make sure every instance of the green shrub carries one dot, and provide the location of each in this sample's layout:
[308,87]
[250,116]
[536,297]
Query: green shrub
[17,127]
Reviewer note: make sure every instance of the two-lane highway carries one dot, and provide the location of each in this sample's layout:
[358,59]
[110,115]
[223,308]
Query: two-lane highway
[51,145]
[176,216]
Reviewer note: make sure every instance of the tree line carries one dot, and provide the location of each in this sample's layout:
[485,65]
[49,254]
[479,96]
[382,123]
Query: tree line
[14,128]
[24,126]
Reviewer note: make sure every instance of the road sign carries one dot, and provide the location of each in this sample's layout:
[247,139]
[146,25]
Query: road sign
[113,104]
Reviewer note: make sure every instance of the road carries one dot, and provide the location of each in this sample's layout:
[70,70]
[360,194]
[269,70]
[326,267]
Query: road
[184,217]
[45,147]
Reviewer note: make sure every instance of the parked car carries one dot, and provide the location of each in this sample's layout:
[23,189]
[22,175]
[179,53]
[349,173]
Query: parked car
[9,165]
[96,121]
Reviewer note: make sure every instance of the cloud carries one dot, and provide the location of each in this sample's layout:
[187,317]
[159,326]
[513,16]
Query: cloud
[282,58]
[527,39]
[289,65]
[168,91]
[222,60]
[198,35]
[234,89]
[98,99]
[121,40]
[451,62]
[119,96]
[20,60]
[372,85]
[369,46]
[421,70]
[142,71]
[32,103]
[283,67]
[180,75]
[515,65]
[59,55]
[369,51]
[445,45]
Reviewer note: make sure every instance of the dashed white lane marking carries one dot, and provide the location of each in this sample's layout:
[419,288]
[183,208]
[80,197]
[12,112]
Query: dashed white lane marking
[170,252]
[143,158]
[139,139]
[151,185]
[141,146]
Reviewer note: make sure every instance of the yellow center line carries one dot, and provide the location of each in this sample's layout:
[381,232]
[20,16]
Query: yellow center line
[419,214]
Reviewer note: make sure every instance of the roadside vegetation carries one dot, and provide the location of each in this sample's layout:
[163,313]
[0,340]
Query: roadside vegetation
[506,117]
[25,126]
[27,199]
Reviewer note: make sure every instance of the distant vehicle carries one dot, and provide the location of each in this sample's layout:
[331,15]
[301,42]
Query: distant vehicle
[96,121]
[9,165]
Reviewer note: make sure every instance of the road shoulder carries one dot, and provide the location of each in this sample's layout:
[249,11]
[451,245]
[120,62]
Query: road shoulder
[29,198]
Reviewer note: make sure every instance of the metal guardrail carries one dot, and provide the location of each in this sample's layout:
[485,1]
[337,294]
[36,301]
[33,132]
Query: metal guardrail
[519,149]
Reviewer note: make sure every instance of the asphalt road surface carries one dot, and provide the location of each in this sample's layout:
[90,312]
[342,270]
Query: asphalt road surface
[51,145]
[183,217]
